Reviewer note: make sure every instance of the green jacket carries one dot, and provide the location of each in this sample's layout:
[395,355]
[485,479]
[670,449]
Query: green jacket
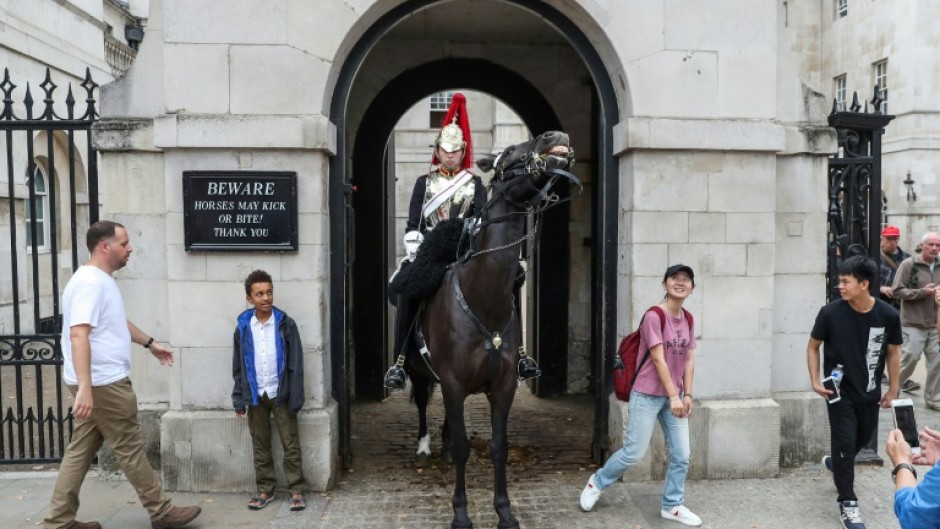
[918,308]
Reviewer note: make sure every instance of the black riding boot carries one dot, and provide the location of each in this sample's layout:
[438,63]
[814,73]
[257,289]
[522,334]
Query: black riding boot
[404,319]
[527,368]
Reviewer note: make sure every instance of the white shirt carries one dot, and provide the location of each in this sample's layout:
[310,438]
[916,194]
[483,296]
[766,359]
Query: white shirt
[262,334]
[92,297]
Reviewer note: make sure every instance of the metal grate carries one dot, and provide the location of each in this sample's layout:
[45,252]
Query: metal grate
[35,412]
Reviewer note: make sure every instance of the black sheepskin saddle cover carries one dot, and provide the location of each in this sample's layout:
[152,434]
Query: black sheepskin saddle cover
[422,277]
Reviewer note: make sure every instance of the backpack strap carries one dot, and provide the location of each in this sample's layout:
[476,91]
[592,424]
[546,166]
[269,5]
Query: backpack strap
[662,327]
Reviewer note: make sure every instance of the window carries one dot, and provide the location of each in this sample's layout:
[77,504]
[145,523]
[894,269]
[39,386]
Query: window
[440,102]
[880,74]
[838,87]
[842,8]
[37,211]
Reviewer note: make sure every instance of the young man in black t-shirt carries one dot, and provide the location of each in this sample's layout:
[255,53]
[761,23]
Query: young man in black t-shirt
[864,335]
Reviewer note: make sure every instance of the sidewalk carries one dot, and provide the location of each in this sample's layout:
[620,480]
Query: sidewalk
[388,493]
[803,498]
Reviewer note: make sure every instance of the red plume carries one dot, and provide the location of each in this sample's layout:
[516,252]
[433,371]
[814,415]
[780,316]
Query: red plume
[458,108]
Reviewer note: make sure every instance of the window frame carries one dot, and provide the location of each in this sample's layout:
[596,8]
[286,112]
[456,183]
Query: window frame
[840,91]
[42,198]
[841,8]
[438,105]
[879,73]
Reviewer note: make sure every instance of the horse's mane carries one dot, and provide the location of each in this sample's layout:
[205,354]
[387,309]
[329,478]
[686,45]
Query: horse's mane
[423,276]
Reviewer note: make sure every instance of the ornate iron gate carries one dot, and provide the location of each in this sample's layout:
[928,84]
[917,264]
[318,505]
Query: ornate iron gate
[855,201]
[855,187]
[43,219]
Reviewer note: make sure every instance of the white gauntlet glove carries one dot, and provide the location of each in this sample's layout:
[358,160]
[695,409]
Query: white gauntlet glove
[412,240]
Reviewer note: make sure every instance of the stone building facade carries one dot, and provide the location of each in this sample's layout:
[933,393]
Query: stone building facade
[878,43]
[700,134]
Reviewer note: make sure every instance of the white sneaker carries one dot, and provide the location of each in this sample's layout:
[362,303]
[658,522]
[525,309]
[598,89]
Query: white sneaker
[681,514]
[590,495]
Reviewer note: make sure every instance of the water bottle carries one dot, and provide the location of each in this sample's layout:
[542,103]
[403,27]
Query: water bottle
[837,374]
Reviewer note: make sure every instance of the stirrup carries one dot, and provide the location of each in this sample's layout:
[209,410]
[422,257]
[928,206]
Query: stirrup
[395,378]
[527,368]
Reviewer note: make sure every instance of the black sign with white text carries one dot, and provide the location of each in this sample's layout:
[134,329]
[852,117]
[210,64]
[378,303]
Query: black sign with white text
[240,210]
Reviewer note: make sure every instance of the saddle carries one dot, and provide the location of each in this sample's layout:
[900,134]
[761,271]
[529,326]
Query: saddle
[422,277]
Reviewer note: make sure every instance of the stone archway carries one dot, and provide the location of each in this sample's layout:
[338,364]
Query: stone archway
[604,192]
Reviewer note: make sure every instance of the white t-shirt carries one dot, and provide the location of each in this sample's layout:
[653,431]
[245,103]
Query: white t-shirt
[92,297]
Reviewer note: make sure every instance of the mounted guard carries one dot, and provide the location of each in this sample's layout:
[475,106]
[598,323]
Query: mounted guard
[449,191]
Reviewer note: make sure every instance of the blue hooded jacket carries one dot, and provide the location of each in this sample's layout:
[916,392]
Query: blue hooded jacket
[290,372]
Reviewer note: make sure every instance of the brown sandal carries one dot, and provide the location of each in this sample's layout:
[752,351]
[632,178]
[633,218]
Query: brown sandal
[297,503]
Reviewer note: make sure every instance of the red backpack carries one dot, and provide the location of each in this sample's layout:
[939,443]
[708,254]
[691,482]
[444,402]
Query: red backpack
[625,365]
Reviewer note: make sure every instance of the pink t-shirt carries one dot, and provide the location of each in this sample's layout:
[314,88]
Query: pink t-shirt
[677,337]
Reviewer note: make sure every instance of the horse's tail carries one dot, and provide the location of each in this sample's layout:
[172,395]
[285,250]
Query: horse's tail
[421,389]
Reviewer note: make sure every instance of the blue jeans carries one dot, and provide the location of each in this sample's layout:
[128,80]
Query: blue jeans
[644,411]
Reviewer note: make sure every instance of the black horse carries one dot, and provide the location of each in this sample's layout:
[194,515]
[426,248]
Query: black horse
[470,325]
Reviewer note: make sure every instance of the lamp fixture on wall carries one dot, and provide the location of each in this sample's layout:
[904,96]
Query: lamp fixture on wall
[911,194]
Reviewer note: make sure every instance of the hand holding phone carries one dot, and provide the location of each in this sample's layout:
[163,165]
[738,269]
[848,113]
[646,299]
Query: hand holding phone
[902,411]
[830,384]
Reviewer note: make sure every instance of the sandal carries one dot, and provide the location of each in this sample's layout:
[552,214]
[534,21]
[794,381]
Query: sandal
[260,501]
[297,503]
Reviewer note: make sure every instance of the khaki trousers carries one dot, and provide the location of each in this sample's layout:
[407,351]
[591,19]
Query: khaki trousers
[259,424]
[916,341]
[114,421]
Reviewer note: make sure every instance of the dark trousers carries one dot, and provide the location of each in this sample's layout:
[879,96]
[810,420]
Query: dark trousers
[851,425]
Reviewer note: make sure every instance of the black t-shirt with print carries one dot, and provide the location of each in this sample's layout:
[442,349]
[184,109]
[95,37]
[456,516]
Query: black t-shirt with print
[859,342]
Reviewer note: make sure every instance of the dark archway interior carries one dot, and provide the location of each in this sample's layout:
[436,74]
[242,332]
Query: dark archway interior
[550,273]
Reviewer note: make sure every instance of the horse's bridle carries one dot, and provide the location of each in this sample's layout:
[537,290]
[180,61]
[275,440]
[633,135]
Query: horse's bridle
[530,164]
[507,177]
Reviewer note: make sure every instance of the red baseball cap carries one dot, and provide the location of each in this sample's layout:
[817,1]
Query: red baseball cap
[891,231]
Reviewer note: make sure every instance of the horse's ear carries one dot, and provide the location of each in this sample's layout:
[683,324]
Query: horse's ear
[486,163]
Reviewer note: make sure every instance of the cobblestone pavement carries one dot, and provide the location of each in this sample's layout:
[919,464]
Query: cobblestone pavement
[549,464]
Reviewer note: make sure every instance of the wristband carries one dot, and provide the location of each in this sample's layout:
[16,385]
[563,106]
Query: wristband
[687,395]
[894,473]
[674,398]
[149,343]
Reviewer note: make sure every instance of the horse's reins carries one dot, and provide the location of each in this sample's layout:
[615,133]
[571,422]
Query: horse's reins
[504,180]
[533,165]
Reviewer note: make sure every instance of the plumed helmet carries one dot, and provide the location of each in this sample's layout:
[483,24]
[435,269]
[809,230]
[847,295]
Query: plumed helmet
[451,137]
[455,132]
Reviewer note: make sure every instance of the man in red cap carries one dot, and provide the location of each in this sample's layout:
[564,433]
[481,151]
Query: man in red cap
[448,191]
[891,257]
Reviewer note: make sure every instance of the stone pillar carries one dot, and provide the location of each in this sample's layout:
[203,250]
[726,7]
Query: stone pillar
[702,192]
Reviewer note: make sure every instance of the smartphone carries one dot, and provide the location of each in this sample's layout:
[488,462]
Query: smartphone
[831,385]
[903,414]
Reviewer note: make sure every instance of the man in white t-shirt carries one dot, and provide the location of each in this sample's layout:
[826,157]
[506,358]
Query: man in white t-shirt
[96,348]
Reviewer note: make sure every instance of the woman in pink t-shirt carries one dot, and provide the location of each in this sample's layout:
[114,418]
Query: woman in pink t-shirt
[662,393]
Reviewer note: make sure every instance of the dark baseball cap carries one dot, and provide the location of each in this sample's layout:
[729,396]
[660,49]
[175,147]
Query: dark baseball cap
[676,268]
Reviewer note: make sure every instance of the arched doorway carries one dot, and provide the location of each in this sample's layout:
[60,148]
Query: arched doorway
[596,125]
[369,160]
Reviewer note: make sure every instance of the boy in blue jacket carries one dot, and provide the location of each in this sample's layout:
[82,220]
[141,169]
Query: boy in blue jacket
[267,365]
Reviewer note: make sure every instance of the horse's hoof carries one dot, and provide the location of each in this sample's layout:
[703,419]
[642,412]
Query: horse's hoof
[423,461]
[512,524]
[462,525]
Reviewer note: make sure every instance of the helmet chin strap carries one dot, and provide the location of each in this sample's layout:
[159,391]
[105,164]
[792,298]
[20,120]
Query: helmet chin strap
[448,171]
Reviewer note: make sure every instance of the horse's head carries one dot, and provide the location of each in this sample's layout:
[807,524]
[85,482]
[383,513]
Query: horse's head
[537,162]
